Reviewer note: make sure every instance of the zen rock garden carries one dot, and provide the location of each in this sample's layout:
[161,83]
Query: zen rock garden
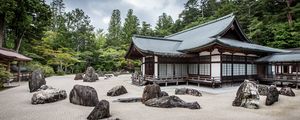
[44,94]
[116,91]
[83,95]
[90,75]
[183,91]
[36,81]
[248,94]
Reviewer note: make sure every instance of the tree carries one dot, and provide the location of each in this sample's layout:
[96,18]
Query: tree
[6,13]
[191,12]
[164,25]
[146,29]
[130,27]
[29,20]
[114,29]
[58,8]
[79,31]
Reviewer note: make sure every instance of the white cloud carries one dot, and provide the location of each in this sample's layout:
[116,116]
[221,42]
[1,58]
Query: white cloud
[106,20]
[146,10]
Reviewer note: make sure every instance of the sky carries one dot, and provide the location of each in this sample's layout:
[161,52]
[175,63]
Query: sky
[100,11]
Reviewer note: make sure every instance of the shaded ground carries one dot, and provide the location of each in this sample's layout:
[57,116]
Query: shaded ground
[215,103]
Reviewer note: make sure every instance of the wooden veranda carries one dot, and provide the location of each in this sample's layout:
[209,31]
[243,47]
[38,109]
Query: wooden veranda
[8,56]
[282,72]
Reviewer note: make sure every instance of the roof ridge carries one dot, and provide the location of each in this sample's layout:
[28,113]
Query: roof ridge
[6,49]
[203,24]
[156,38]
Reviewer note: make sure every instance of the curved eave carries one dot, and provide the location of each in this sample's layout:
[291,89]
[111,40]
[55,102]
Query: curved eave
[218,42]
[131,49]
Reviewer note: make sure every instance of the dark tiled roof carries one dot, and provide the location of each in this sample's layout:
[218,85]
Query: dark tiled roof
[12,55]
[197,37]
[281,57]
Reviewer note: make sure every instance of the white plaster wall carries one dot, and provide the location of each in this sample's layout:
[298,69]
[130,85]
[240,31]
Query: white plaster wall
[253,55]
[215,58]
[215,69]
[242,54]
[215,51]
[279,69]
[273,69]
[204,53]
[227,53]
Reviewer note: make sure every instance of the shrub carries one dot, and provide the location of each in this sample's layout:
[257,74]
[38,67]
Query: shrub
[4,75]
[47,70]
[60,72]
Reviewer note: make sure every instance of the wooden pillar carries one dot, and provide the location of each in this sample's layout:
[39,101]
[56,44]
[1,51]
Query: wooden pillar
[143,66]
[232,68]
[8,66]
[19,72]
[155,67]
[246,74]
[297,72]
[221,65]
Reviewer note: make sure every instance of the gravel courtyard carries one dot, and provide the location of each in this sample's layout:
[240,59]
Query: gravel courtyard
[216,104]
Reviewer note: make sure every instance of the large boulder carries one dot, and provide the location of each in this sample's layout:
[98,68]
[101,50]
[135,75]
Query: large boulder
[90,75]
[170,102]
[163,93]
[263,89]
[247,95]
[272,95]
[79,76]
[100,111]
[151,91]
[44,87]
[183,91]
[129,100]
[36,81]
[48,95]
[287,91]
[83,95]
[116,91]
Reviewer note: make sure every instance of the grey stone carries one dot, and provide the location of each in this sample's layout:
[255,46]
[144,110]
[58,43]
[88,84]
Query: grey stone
[36,81]
[44,87]
[263,89]
[184,91]
[287,91]
[129,100]
[90,75]
[116,91]
[247,95]
[48,95]
[170,102]
[79,76]
[163,93]
[151,91]
[83,95]
[100,111]
[272,95]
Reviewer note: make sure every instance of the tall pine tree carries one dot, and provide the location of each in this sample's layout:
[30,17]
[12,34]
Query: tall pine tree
[130,27]
[114,29]
[164,25]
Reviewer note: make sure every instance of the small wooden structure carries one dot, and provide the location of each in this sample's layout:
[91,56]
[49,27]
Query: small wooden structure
[214,53]
[281,67]
[7,56]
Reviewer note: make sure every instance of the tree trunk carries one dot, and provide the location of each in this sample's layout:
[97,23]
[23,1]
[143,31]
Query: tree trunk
[289,15]
[2,28]
[18,41]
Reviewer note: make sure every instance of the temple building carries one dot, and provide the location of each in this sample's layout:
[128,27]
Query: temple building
[214,53]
